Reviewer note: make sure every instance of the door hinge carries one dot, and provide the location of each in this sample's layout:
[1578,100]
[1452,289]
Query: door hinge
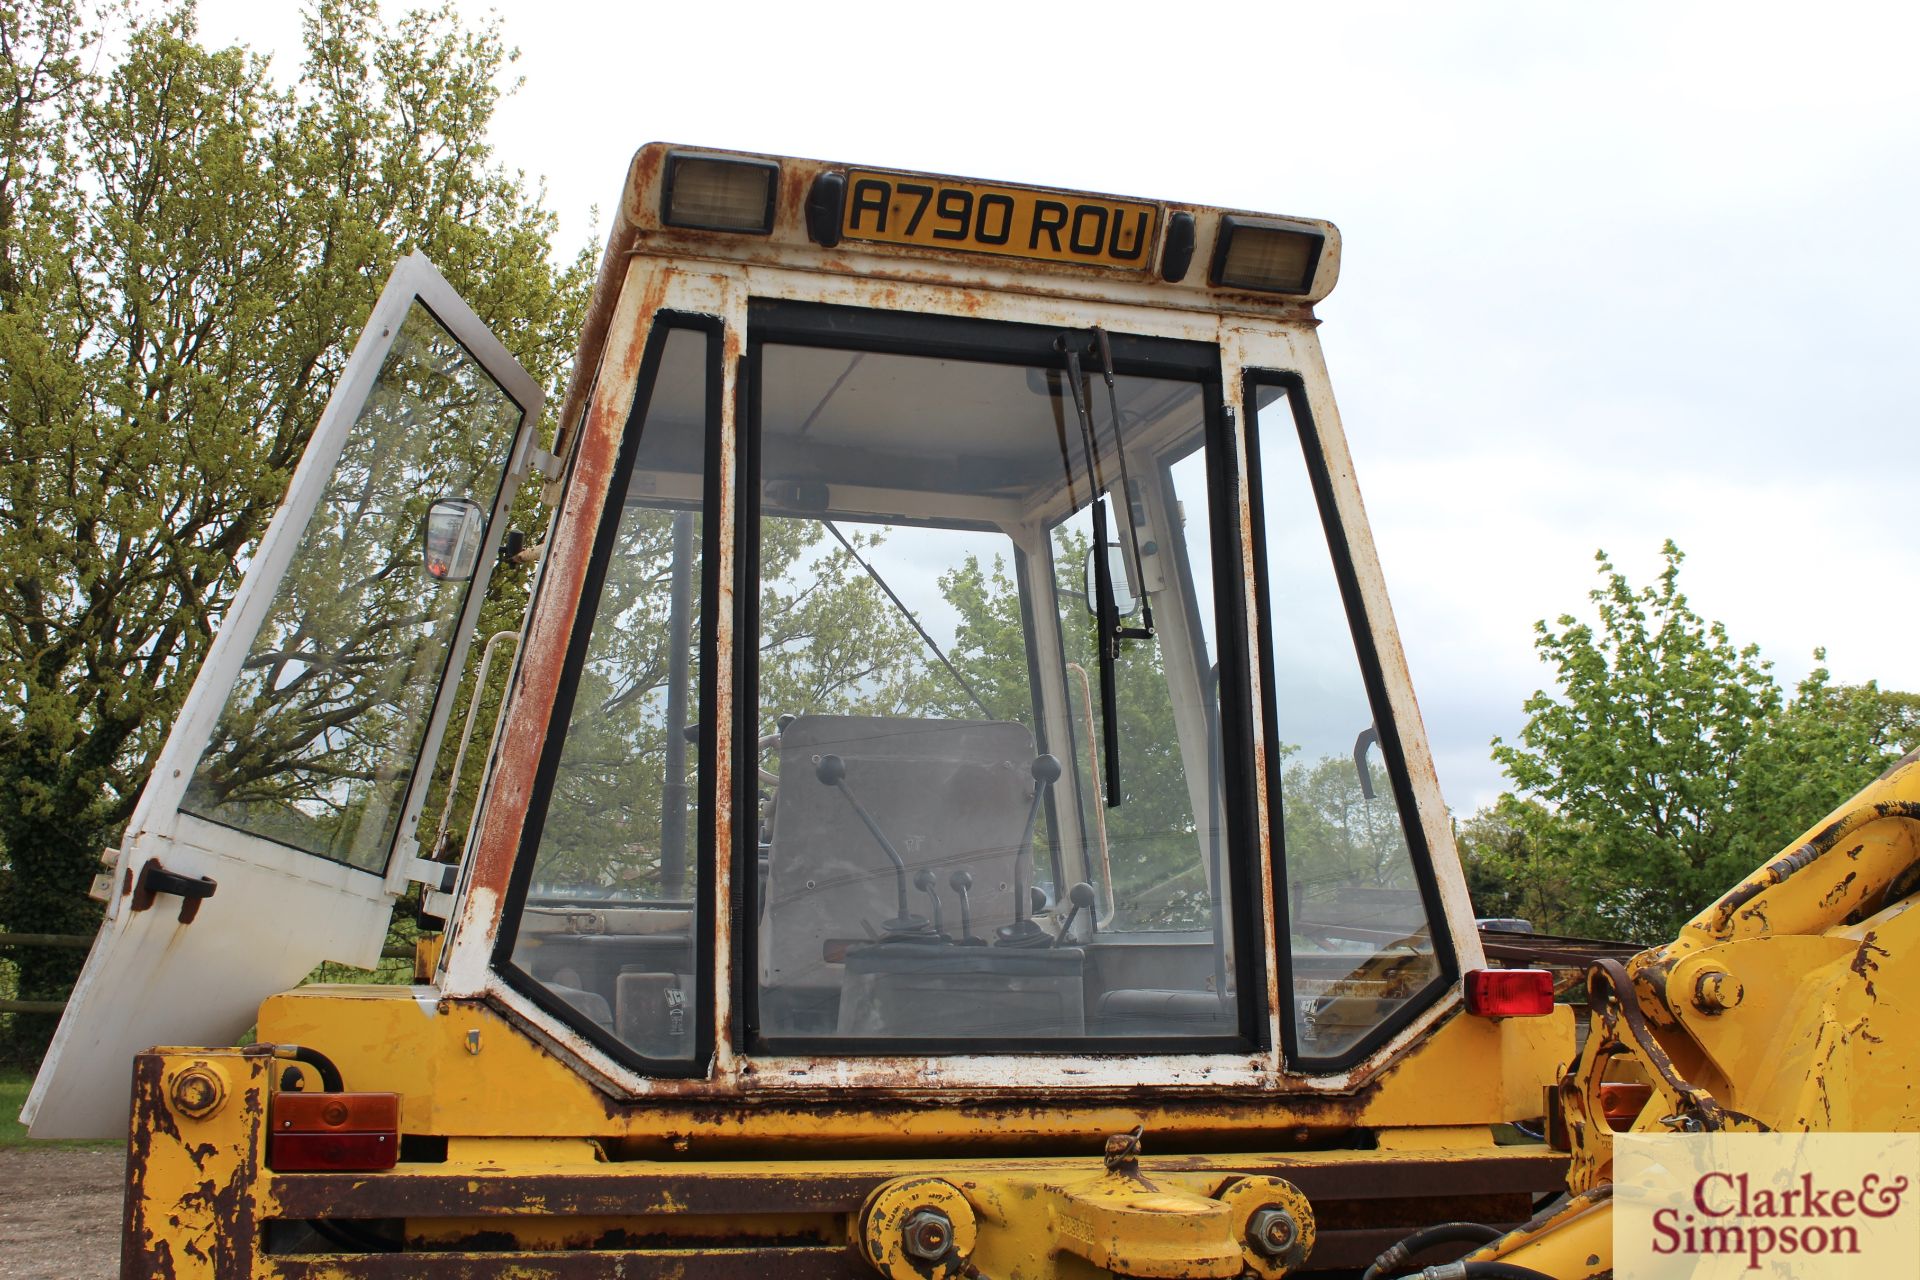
[547,464]
[437,876]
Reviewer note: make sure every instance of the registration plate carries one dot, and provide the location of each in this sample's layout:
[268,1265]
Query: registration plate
[1014,222]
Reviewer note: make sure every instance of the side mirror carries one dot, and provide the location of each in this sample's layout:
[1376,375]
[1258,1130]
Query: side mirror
[1125,603]
[453,532]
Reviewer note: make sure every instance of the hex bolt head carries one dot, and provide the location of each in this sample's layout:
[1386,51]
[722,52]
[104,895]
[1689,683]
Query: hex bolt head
[1272,1231]
[1716,991]
[198,1092]
[927,1234]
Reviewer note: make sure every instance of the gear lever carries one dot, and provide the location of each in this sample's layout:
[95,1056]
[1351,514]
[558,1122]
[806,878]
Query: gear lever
[1025,931]
[926,882]
[1081,895]
[961,882]
[832,771]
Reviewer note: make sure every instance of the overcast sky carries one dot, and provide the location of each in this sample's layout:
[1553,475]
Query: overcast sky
[1612,274]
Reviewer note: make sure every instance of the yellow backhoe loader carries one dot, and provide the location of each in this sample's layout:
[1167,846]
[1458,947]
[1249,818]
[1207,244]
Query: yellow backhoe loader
[958,808]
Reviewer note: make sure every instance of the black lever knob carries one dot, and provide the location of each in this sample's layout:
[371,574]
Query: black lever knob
[928,883]
[1023,932]
[961,882]
[831,770]
[1081,896]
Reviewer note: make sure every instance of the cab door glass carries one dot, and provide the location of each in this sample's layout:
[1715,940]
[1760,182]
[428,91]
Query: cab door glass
[1359,921]
[316,745]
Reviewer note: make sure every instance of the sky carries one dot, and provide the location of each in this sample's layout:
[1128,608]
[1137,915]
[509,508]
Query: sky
[1611,274]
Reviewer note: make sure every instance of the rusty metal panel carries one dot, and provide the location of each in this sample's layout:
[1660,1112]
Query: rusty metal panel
[193,1165]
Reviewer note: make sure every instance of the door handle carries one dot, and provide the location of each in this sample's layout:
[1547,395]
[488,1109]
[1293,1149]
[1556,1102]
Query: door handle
[156,879]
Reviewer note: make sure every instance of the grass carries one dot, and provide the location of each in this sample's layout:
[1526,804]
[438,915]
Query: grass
[14,1084]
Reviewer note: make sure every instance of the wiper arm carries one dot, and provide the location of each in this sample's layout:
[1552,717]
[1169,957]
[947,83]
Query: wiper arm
[1145,630]
[1106,612]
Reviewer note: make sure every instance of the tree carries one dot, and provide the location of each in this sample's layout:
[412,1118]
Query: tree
[1669,762]
[185,248]
[1521,860]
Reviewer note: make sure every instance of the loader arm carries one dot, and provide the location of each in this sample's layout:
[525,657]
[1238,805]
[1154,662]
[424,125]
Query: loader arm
[1783,1007]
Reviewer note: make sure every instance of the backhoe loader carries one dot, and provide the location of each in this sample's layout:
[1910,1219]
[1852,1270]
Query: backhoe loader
[958,807]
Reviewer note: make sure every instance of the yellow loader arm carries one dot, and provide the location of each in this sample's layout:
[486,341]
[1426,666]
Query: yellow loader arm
[1783,1007]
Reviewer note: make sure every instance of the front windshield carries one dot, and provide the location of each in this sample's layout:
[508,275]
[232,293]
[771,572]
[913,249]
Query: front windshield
[943,854]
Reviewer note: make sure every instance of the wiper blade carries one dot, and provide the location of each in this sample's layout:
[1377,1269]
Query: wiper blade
[1106,611]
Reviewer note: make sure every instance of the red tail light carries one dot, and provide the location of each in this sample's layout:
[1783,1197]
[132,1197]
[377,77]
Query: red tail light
[351,1132]
[1509,993]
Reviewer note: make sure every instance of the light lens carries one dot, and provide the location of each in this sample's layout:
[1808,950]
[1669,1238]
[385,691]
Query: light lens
[719,195]
[1270,257]
[1509,993]
[321,1131]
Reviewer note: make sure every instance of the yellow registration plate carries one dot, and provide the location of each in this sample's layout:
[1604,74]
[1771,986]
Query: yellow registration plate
[1015,222]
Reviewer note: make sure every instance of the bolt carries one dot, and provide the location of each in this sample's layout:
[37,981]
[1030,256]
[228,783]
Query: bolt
[1272,1231]
[198,1093]
[1716,991]
[927,1234]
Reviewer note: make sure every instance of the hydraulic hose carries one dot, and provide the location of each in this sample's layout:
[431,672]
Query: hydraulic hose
[322,1065]
[1476,1233]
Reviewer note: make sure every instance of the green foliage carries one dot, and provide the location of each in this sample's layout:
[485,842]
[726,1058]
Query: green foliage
[1522,860]
[184,246]
[1668,765]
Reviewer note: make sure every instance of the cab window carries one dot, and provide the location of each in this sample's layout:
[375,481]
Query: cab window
[1361,911]
[946,858]
[608,932]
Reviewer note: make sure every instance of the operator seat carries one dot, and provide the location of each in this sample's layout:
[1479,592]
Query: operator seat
[951,795]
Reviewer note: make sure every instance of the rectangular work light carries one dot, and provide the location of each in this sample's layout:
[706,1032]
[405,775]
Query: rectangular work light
[1270,256]
[707,193]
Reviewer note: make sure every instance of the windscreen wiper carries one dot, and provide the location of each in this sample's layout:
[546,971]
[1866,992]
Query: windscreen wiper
[1106,613]
[1145,630]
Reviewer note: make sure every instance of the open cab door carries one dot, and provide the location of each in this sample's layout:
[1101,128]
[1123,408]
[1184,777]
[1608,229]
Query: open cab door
[278,824]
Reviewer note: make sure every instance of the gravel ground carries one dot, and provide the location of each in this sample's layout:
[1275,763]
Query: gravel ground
[60,1213]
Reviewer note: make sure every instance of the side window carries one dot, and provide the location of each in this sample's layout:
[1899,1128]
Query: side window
[1359,917]
[608,920]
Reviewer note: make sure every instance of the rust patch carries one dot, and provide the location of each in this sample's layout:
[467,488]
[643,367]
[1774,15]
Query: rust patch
[1864,965]
[549,629]
[1821,842]
[145,1253]
[1839,892]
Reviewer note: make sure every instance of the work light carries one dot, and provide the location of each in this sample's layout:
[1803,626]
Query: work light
[1273,257]
[710,194]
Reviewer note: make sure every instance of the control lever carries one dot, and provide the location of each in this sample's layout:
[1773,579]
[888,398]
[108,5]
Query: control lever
[832,771]
[926,882]
[1081,896]
[961,882]
[1025,931]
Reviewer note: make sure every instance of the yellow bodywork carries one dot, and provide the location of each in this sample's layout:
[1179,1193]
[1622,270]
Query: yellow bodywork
[1782,1007]
[541,1176]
